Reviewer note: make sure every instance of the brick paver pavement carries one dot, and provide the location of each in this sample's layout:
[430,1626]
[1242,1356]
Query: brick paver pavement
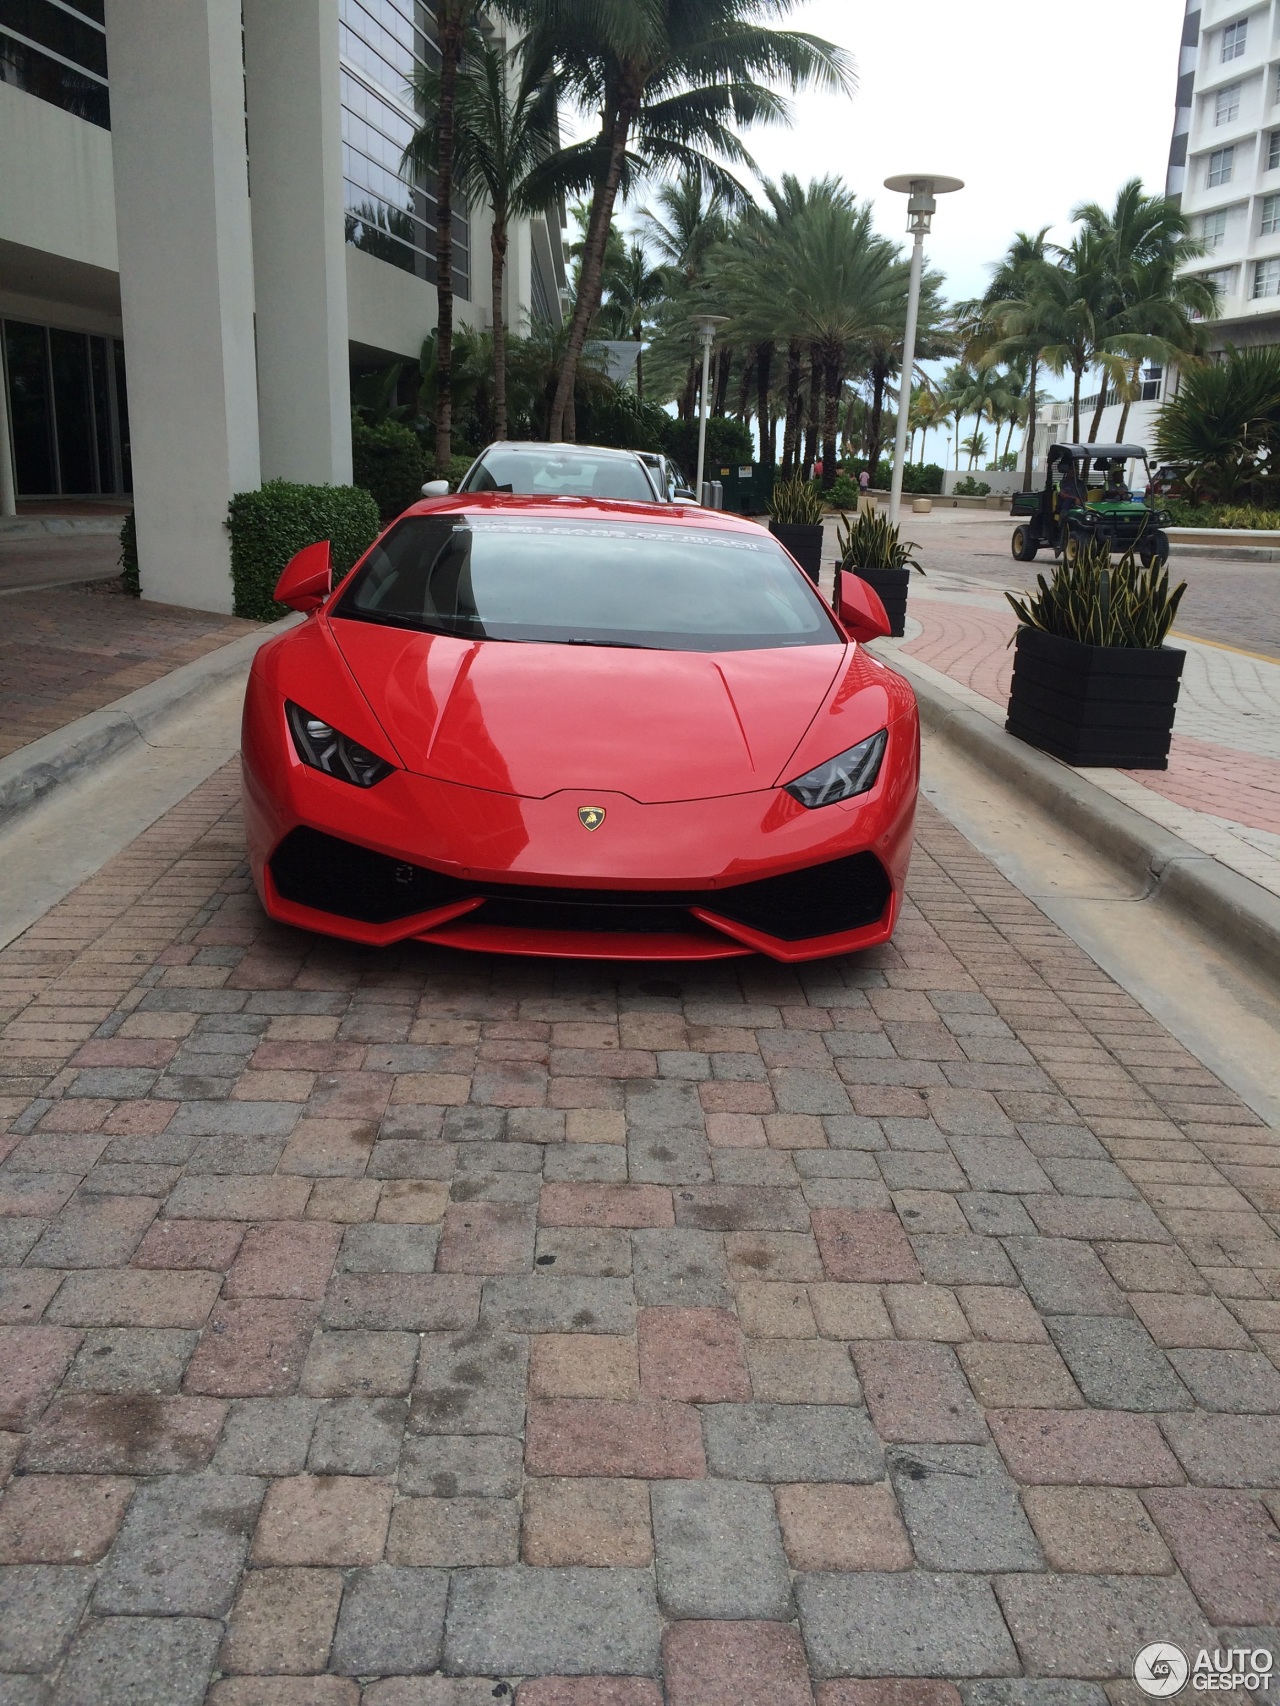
[418,1329]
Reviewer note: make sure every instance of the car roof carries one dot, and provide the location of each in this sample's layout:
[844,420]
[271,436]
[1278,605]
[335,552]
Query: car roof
[526,444]
[652,515]
[1101,452]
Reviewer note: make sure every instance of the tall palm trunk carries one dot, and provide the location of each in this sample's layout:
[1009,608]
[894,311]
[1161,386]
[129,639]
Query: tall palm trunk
[1096,423]
[498,258]
[1078,374]
[617,130]
[811,425]
[638,333]
[690,391]
[875,428]
[719,396]
[1031,423]
[744,389]
[451,36]
[791,430]
[768,442]
[832,381]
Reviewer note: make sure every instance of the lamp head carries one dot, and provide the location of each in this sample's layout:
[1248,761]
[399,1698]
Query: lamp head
[922,190]
[707,324]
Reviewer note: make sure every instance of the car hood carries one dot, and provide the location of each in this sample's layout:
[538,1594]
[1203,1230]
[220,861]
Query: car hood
[531,720]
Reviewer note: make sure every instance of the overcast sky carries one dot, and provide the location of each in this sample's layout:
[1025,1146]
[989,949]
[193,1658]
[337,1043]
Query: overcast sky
[1036,106]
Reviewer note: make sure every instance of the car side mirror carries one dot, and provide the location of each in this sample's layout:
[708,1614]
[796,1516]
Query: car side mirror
[436,489]
[860,609]
[308,578]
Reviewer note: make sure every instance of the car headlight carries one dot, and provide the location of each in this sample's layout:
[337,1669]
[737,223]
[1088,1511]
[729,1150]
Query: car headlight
[842,777]
[320,745]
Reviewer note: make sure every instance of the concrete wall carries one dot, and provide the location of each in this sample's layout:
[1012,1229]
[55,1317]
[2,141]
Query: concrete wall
[56,188]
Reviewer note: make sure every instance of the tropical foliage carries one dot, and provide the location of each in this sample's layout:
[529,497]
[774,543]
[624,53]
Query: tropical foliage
[871,541]
[1101,602]
[1224,426]
[796,503]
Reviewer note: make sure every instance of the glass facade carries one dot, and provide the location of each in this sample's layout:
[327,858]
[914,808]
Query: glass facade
[382,44]
[57,50]
[68,409]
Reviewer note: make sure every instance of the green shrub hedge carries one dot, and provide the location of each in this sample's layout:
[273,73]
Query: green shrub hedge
[389,463]
[128,558]
[1184,514]
[268,526]
[728,444]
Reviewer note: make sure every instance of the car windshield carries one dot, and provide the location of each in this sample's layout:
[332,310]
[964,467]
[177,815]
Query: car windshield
[548,470]
[597,583]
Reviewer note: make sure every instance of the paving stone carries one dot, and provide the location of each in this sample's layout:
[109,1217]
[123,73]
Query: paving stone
[917,1392]
[994,1163]
[808,1371]
[770,1309]
[94,1231]
[585,1163]
[61,1519]
[1117,1365]
[288,1258]
[1013,1376]
[381,1248]
[486,1238]
[536,1622]
[358,1436]
[596,1437]
[126,1297]
[588,1691]
[1039,1691]
[605,1205]
[40,1606]
[139,1661]
[692,1355]
[471,1383]
[1092,1626]
[826,1526]
[266,1436]
[131,1359]
[412,1202]
[1242,1382]
[887,1691]
[181,1548]
[679,1267]
[904,1624]
[446,1466]
[418,1303]
[868,1246]
[1151,1267]
[327,1519]
[391,1623]
[925,1312]
[189,1244]
[707,1663]
[1096,1531]
[773,1255]
[849,1311]
[741,1208]
[1227,1547]
[962,1259]
[1002,1314]
[996,1216]
[1065,1278]
[676,1156]
[1177,1322]
[961,1509]
[551,1303]
[454,1531]
[103,1434]
[791,1442]
[359,1364]
[719,1551]
[34,1360]
[588,1521]
[231,1198]
[583,1250]
[253,1347]
[1097,1448]
[1225,1450]
[583,1365]
[283,1620]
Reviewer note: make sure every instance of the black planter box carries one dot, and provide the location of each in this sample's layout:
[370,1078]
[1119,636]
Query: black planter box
[891,584]
[803,542]
[1094,705]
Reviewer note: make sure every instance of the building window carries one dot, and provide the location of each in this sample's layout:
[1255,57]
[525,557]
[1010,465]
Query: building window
[1221,163]
[57,52]
[1152,383]
[1266,277]
[1234,38]
[1270,215]
[1213,229]
[1273,150]
[1226,106]
[67,405]
[382,43]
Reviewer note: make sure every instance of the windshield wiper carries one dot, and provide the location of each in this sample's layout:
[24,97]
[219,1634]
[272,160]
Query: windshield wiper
[621,645]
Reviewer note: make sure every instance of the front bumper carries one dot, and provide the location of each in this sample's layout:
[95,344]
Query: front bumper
[415,858]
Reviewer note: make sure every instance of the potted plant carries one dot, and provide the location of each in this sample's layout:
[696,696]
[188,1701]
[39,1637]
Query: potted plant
[795,520]
[1093,681]
[869,546]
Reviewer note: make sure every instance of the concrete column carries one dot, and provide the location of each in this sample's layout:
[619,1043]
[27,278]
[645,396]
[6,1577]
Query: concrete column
[299,251]
[8,488]
[186,285]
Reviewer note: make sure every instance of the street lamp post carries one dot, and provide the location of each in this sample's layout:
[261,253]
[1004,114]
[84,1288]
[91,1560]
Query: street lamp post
[706,324]
[921,208]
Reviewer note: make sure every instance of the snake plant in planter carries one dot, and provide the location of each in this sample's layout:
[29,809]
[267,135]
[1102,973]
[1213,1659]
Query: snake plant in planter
[795,520]
[1093,681]
[870,547]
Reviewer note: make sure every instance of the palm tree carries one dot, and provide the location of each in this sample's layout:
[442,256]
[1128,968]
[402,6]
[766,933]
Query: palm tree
[503,140]
[670,83]
[974,447]
[635,289]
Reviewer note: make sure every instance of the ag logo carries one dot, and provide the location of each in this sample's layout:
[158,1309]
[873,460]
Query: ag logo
[1161,1669]
[590,817]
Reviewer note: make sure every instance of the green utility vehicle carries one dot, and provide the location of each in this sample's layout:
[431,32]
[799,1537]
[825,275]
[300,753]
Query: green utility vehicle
[1086,497]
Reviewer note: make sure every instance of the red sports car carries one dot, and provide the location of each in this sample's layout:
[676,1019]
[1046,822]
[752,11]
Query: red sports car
[563,726]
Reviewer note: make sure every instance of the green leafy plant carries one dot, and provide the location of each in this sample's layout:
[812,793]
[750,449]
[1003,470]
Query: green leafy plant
[970,488]
[844,494]
[728,444]
[128,558]
[796,503]
[1102,603]
[268,526]
[388,462]
[871,541]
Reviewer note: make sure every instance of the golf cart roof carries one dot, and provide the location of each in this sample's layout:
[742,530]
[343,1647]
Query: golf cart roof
[1101,452]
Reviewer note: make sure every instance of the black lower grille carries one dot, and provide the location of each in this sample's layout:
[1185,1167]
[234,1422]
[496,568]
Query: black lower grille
[320,871]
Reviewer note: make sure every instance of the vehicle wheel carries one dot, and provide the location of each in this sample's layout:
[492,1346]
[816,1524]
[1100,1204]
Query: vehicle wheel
[1024,544]
[1156,552]
[1072,548]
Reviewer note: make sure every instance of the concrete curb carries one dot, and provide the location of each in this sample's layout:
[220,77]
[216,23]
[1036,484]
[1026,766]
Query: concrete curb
[1237,910]
[34,771]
